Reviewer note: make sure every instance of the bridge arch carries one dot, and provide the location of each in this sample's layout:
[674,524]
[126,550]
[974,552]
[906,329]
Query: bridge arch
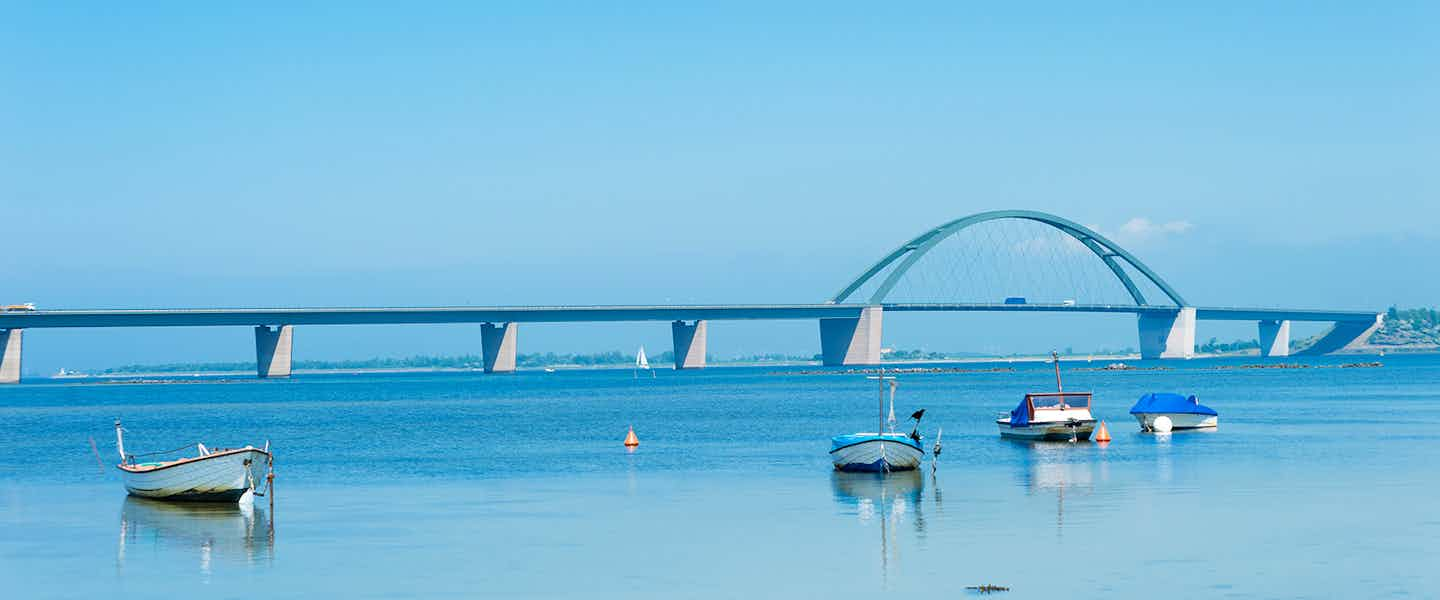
[912,251]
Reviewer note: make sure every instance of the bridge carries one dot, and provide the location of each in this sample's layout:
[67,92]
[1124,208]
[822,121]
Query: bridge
[850,329]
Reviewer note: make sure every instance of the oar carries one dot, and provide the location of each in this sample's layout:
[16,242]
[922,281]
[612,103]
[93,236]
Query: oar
[99,464]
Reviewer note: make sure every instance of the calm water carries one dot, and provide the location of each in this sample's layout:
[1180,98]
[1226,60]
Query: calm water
[1321,482]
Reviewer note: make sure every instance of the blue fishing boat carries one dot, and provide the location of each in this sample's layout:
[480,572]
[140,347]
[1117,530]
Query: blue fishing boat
[880,451]
[1183,412]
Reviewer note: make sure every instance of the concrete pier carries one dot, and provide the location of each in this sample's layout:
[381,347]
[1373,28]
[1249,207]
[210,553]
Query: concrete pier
[497,344]
[1275,338]
[1344,335]
[1168,335]
[272,350]
[851,341]
[689,344]
[10,355]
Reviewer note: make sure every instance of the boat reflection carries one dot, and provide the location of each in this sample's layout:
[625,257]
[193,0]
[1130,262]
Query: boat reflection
[887,498]
[213,532]
[1052,468]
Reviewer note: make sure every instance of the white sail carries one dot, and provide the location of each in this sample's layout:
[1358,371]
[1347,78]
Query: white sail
[891,419]
[640,361]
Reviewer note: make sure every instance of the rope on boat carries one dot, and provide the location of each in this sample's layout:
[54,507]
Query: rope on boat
[269,478]
[185,447]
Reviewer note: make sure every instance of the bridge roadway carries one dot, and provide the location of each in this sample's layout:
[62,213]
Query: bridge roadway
[211,317]
[850,333]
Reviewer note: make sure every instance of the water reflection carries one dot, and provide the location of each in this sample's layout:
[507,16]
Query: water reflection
[889,499]
[204,532]
[1052,467]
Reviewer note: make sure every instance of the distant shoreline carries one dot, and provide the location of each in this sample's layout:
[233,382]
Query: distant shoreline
[1073,358]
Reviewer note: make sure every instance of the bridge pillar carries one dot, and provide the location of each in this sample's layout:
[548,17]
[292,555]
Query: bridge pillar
[1168,335]
[497,345]
[10,355]
[1344,335]
[1275,338]
[689,344]
[851,341]
[272,350]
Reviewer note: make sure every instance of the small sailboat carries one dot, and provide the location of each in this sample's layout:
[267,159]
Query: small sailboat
[1054,416]
[642,363]
[882,451]
[212,475]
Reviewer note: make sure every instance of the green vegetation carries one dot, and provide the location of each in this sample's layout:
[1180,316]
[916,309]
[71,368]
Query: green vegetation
[772,357]
[914,355]
[1215,346]
[1409,327]
[467,361]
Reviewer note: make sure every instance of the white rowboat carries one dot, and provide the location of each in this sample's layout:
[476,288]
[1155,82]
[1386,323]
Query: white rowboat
[213,475]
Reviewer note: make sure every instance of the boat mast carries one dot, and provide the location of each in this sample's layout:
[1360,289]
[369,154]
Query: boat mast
[890,419]
[1058,387]
[880,427]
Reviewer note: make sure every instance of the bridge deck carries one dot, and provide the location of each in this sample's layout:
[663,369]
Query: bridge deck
[559,314]
[1212,313]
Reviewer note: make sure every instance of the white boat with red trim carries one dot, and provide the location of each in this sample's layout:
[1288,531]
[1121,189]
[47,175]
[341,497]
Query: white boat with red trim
[211,475]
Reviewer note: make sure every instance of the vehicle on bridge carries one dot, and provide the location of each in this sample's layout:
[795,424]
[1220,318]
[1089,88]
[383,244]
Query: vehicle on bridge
[25,307]
[1015,300]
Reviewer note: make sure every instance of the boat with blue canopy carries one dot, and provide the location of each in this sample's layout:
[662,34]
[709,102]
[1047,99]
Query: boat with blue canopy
[1183,412]
[1050,416]
[880,451]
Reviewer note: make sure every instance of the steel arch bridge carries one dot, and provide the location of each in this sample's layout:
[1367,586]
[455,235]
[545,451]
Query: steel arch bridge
[1167,329]
[1108,252]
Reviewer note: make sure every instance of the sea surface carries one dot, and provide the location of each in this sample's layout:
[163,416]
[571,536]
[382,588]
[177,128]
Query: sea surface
[1321,482]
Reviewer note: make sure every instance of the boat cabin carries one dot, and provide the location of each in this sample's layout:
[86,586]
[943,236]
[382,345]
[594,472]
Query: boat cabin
[1049,406]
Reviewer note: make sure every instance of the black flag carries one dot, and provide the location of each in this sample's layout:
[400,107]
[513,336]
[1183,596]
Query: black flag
[917,414]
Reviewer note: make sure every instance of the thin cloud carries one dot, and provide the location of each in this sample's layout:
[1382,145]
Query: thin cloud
[1140,229]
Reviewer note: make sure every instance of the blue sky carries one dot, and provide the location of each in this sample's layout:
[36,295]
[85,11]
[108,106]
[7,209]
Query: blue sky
[360,154]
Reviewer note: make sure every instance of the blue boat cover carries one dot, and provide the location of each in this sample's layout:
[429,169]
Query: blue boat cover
[841,441]
[1020,417]
[1171,403]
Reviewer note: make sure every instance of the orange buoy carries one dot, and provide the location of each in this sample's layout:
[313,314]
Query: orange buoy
[630,440]
[1103,434]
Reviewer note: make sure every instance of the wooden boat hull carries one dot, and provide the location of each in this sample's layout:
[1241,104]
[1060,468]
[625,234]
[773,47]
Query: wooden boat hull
[1178,420]
[1055,431]
[877,455]
[219,477]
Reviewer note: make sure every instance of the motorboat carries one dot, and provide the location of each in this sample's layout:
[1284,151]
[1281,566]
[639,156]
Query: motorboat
[880,451]
[1050,416]
[211,475]
[1183,412]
